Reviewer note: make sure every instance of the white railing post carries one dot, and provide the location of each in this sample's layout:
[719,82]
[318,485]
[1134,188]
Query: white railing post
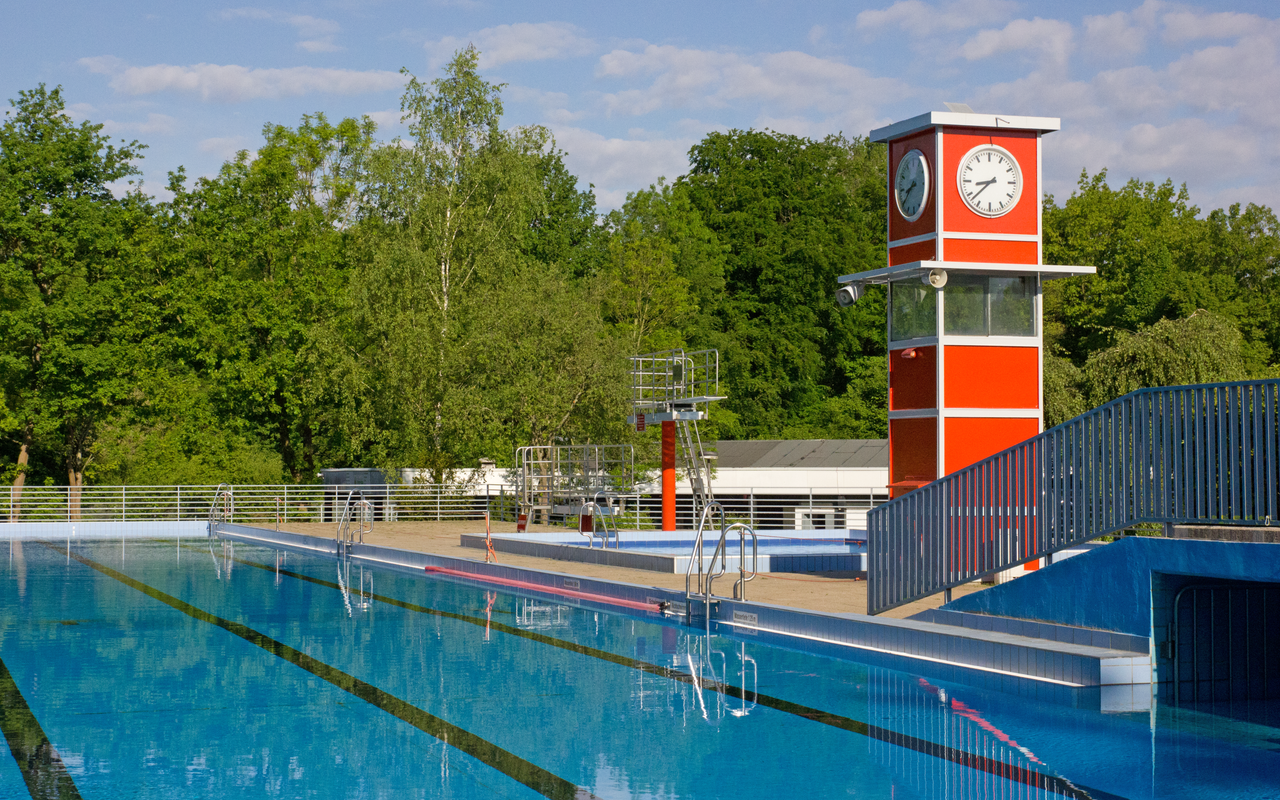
[124,507]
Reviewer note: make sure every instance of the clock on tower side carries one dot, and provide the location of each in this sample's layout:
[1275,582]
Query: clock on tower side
[965,350]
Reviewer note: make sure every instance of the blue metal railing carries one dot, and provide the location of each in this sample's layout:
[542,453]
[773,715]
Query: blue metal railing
[1182,454]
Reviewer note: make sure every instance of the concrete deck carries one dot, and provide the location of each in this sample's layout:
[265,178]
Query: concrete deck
[826,592]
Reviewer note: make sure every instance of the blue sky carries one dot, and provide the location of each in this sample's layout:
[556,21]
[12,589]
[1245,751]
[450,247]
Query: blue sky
[1152,90]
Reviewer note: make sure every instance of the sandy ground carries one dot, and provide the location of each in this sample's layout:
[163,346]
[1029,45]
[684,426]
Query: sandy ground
[825,591]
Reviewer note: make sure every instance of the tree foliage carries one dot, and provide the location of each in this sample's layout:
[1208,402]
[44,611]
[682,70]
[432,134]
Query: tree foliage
[332,300]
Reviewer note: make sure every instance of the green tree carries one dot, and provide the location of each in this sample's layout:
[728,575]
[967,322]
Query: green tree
[72,278]
[1156,260]
[793,215]
[456,218]
[258,263]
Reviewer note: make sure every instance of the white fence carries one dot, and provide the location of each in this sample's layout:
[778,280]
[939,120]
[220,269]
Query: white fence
[408,503]
[412,502]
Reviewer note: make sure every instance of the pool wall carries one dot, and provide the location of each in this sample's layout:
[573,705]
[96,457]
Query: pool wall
[1110,587]
[105,530]
[676,562]
[1060,671]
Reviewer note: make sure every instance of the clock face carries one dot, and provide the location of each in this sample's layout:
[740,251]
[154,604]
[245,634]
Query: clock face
[911,185]
[990,180]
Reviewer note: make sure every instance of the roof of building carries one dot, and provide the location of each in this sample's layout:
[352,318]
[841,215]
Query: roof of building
[804,453]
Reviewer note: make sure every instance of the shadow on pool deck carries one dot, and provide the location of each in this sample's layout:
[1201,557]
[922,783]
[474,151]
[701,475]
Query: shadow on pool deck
[830,592]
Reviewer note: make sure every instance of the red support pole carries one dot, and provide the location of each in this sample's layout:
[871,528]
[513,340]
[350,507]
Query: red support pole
[668,476]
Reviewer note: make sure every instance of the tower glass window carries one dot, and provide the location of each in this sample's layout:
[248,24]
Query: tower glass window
[913,310]
[989,305]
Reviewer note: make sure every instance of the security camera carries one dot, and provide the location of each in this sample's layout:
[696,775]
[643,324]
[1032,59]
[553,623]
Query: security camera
[848,294]
[937,278]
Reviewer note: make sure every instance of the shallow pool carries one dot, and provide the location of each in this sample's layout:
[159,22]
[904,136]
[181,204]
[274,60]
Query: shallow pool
[172,670]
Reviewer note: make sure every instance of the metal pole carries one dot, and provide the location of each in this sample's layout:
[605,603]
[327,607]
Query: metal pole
[668,476]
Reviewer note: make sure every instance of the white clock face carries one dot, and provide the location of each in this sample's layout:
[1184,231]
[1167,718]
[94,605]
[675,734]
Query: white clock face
[990,180]
[911,185]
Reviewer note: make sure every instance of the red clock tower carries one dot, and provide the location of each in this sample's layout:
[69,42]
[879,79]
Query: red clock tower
[964,276]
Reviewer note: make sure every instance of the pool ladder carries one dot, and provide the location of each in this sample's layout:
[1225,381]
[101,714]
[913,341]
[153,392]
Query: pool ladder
[355,522]
[721,552]
[600,510]
[222,509]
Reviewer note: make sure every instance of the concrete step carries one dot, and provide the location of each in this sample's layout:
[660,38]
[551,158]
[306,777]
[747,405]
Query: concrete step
[1035,629]
[939,645]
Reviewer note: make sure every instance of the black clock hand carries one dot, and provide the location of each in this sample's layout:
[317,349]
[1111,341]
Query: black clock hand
[984,185]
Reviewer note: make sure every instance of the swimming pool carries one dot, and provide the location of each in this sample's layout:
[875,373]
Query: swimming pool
[168,669]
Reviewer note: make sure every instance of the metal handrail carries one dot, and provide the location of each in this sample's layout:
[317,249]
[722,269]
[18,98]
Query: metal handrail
[1208,453]
[222,509]
[605,514]
[696,555]
[722,549]
[740,585]
[345,536]
[592,510]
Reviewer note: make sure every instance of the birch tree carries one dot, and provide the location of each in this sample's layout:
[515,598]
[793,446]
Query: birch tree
[447,211]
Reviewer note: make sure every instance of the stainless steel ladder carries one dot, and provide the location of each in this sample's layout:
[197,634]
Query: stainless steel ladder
[695,465]
[696,555]
[356,521]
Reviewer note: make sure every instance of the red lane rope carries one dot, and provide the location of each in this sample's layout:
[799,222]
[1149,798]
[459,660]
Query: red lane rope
[537,587]
[775,576]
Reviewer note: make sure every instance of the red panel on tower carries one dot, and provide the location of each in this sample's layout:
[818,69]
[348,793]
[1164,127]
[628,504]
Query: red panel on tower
[988,251]
[971,439]
[920,251]
[991,377]
[913,453]
[956,216]
[913,378]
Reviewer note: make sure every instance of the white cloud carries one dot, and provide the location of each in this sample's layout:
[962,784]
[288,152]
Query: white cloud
[232,83]
[1052,39]
[922,19]
[702,78]
[1132,92]
[160,124]
[522,41]
[315,34]
[1183,26]
[1114,34]
[1244,77]
[387,118]
[1192,149]
[553,105]
[224,147]
[618,166]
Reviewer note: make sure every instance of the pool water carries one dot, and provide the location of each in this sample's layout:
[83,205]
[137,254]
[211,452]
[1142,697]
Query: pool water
[158,670]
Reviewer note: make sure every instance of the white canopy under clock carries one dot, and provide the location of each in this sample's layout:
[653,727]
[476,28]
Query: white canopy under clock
[916,269]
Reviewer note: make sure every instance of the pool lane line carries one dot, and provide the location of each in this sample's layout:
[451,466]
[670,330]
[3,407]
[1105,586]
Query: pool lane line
[994,766]
[513,766]
[41,766]
[510,583]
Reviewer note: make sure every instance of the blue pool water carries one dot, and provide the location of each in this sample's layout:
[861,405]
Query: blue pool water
[159,670]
